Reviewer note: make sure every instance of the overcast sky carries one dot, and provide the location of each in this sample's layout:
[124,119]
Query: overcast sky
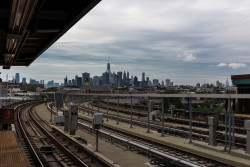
[185,41]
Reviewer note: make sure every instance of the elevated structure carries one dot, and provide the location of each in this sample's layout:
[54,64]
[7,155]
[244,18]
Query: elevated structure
[29,27]
[242,83]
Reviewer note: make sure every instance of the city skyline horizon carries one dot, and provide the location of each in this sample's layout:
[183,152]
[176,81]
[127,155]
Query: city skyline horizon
[109,66]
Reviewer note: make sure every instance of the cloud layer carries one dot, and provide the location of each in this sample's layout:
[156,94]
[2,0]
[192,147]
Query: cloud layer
[181,40]
[234,66]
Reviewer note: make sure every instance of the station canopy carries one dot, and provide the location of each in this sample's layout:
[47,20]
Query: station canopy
[29,27]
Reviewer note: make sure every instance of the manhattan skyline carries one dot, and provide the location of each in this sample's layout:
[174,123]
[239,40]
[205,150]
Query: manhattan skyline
[188,42]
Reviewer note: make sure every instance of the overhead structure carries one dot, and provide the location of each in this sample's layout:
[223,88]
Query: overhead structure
[29,27]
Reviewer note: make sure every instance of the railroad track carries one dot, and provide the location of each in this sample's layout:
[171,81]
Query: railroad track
[32,134]
[198,134]
[200,124]
[161,154]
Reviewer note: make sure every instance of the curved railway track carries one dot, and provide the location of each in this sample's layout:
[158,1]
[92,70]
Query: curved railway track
[32,134]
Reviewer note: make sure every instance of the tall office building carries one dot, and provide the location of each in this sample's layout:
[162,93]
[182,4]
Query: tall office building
[76,79]
[50,83]
[66,81]
[85,76]
[105,79]
[155,82]
[136,83]
[108,67]
[217,84]
[96,81]
[167,82]
[79,82]
[119,78]
[17,78]
[143,77]
[227,83]
[23,80]
[124,76]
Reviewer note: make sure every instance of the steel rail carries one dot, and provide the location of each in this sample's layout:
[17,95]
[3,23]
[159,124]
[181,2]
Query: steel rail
[155,152]
[175,131]
[27,141]
[57,143]
[155,126]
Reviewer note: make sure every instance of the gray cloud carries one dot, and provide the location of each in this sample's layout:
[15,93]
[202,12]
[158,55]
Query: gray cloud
[147,36]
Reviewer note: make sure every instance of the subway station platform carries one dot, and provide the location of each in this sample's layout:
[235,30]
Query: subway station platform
[11,154]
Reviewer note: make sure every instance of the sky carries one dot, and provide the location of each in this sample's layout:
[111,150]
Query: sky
[188,42]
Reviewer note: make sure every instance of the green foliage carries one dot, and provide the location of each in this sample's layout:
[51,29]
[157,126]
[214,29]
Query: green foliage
[219,110]
[42,96]
[29,89]
[51,89]
[122,88]
[171,91]
[174,101]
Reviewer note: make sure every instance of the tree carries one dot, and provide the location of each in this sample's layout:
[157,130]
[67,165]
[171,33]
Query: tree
[174,100]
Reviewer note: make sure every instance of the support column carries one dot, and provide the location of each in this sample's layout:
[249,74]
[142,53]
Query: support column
[117,110]
[150,106]
[247,127]
[213,123]
[172,107]
[131,111]
[164,107]
[107,108]
[190,120]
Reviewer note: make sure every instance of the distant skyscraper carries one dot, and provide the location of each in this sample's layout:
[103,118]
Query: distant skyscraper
[167,82]
[76,78]
[17,78]
[155,82]
[143,77]
[50,83]
[79,82]
[217,84]
[105,79]
[119,78]
[33,81]
[124,76]
[162,83]
[108,67]
[136,83]
[23,80]
[96,81]
[85,76]
[227,83]
[66,81]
